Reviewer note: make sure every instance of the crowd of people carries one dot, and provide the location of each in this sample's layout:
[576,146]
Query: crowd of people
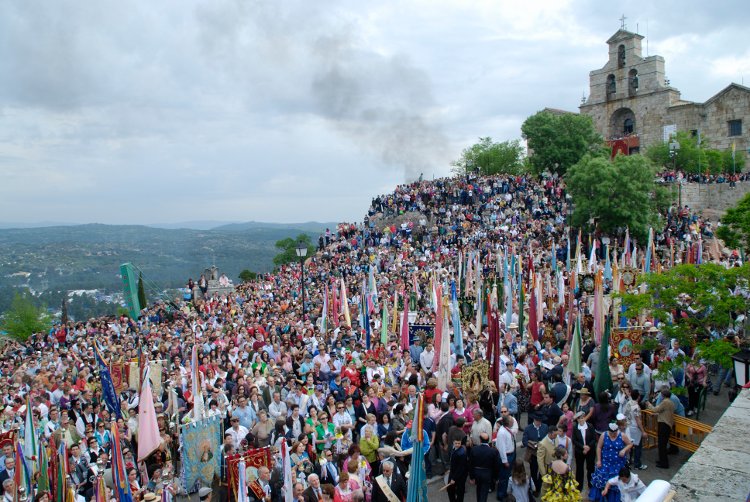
[677,176]
[333,380]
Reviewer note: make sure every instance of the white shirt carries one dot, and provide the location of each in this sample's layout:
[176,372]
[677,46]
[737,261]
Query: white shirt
[508,378]
[277,410]
[323,360]
[632,490]
[631,371]
[237,435]
[426,359]
[584,430]
[566,443]
[505,444]
[343,418]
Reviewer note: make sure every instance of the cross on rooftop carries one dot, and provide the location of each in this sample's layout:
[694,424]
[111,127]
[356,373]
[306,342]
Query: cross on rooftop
[622,22]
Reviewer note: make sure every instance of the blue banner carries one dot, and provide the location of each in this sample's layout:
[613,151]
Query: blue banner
[201,451]
[423,331]
[108,387]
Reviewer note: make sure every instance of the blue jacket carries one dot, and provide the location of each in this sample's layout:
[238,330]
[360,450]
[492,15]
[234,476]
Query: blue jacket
[509,401]
[530,433]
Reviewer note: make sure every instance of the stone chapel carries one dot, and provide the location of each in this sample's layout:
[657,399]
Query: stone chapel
[634,106]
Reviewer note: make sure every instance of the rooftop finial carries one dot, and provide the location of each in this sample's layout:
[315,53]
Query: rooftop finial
[622,22]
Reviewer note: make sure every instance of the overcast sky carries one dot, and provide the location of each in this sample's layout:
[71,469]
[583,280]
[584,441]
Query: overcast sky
[287,111]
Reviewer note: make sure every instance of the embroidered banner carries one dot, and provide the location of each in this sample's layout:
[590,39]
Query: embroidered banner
[254,459]
[120,375]
[624,343]
[125,375]
[423,331]
[201,447]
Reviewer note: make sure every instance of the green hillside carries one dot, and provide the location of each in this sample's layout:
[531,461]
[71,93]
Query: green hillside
[52,260]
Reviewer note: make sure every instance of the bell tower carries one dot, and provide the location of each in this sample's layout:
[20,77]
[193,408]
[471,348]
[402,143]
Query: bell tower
[622,93]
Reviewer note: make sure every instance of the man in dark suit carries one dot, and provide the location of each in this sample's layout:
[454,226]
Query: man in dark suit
[442,446]
[313,493]
[584,448]
[549,410]
[8,473]
[329,473]
[483,464]
[532,435]
[389,480]
[459,471]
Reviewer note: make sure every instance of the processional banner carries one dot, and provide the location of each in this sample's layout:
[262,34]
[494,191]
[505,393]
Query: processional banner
[201,446]
[423,331]
[254,459]
[624,343]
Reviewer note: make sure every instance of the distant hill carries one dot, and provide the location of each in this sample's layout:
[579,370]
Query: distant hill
[192,225]
[36,224]
[310,226]
[84,257]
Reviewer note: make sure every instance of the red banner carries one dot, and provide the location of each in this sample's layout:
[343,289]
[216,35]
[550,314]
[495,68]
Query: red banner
[254,459]
[120,375]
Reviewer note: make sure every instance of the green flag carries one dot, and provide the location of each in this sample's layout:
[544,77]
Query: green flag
[574,363]
[603,380]
[43,481]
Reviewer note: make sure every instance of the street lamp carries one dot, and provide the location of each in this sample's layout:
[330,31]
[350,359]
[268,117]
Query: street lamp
[674,147]
[301,253]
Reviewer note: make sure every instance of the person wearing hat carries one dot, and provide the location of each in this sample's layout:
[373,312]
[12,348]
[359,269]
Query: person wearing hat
[585,402]
[532,435]
[584,448]
[204,493]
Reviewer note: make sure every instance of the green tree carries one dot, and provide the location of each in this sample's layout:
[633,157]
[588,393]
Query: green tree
[141,291]
[24,318]
[710,290]
[735,225]
[613,195]
[288,249]
[488,157]
[691,157]
[558,141]
[248,276]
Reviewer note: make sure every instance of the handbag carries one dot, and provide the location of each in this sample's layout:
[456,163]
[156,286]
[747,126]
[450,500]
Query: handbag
[530,452]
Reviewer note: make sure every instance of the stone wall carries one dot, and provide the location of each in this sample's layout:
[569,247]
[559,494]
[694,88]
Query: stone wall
[720,469]
[712,200]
